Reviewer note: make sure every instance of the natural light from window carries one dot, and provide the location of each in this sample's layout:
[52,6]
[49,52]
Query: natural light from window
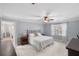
[59,29]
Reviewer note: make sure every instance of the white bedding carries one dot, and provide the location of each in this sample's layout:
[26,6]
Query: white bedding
[40,42]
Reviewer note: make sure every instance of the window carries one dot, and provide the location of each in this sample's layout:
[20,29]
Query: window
[59,29]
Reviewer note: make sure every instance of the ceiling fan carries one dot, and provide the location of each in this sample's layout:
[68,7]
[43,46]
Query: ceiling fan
[47,19]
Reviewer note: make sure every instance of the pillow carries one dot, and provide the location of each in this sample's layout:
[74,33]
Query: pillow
[31,34]
[35,34]
[39,34]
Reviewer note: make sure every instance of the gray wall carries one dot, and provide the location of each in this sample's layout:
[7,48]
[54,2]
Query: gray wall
[73,29]
[47,29]
[24,26]
[0,26]
[0,36]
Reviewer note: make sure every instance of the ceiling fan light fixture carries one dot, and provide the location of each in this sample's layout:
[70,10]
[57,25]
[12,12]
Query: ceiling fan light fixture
[45,21]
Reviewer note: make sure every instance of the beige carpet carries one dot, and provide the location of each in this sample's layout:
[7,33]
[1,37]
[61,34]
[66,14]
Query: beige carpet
[7,47]
[57,49]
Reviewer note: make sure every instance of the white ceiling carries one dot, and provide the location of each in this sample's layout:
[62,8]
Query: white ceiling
[21,11]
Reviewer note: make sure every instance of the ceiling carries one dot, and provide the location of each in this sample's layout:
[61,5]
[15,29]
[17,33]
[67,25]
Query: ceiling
[21,11]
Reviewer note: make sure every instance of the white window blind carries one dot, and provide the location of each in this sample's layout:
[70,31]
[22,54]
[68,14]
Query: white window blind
[59,29]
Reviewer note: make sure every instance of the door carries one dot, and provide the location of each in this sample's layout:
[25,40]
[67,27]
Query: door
[7,37]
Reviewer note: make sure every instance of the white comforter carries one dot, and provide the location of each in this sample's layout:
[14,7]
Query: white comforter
[40,42]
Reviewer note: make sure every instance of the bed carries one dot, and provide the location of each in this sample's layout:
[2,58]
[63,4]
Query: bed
[40,41]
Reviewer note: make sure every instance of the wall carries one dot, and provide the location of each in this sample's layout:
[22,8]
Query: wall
[47,29]
[24,26]
[73,29]
[0,36]
[1,7]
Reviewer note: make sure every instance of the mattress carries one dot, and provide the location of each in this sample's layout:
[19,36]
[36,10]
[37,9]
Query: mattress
[40,42]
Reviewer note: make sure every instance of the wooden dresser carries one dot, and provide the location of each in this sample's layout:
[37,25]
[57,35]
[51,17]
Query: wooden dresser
[73,47]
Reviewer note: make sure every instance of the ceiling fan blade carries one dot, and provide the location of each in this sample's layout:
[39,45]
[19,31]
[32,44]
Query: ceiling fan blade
[33,17]
[54,14]
[52,19]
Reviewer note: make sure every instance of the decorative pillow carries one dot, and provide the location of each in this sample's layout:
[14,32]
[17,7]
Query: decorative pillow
[39,34]
[31,34]
[35,34]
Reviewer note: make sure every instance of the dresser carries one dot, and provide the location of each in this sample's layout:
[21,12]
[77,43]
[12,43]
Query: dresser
[73,47]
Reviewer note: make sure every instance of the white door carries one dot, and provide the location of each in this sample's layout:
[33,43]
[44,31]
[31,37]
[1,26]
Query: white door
[8,37]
